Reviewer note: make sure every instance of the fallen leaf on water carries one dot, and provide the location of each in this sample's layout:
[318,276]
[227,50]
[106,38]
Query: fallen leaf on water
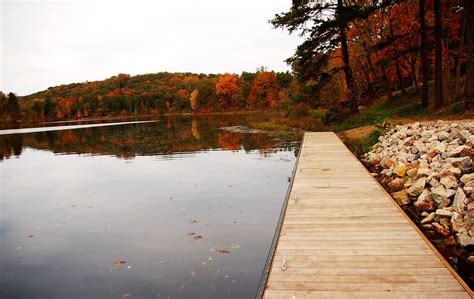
[197,237]
[222,251]
[31,236]
[234,246]
[118,263]
[193,273]
[125,295]
[191,234]
[194,221]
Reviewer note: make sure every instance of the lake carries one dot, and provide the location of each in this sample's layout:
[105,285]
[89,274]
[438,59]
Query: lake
[174,208]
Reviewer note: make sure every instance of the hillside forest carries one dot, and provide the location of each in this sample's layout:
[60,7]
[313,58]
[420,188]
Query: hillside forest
[354,53]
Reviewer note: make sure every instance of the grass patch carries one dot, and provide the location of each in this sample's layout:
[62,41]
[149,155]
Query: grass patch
[403,106]
[365,144]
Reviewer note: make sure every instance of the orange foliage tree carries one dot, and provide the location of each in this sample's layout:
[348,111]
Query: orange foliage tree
[264,90]
[226,90]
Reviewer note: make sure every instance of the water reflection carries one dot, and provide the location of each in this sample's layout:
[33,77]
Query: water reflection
[190,209]
[165,137]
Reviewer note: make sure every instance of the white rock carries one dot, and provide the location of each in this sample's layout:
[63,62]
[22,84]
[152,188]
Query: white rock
[417,188]
[448,181]
[441,148]
[458,202]
[467,178]
[443,136]
[456,151]
[442,212]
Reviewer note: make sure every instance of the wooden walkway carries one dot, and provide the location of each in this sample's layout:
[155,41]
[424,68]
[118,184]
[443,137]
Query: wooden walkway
[343,236]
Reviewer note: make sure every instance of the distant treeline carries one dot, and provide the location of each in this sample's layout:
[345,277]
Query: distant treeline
[160,93]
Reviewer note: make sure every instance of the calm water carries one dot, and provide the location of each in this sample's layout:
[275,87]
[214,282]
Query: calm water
[175,208]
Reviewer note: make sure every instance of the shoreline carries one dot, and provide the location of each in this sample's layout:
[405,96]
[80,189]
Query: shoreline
[427,168]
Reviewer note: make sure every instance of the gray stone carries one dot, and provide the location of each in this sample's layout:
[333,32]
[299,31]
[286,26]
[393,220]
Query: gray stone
[457,223]
[458,202]
[442,212]
[443,135]
[428,218]
[417,188]
[449,181]
[464,135]
[424,171]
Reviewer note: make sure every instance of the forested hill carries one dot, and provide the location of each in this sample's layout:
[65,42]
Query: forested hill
[163,93]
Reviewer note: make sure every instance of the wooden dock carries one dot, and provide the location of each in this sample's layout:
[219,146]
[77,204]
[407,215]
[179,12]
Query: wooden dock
[342,236]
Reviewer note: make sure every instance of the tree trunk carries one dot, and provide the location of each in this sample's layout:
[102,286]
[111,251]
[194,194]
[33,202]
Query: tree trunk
[439,102]
[447,64]
[370,91]
[414,73]
[462,39]
[423,55]
[469,90]
[397,64]
[399,76]
[387,87]
[346,64]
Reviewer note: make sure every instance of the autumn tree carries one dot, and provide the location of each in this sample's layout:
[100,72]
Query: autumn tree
[13,107]
[3,103]
[264,90]
[122,80]
[37,106]
[324,25]
[438,55]
[193,100]
[469,89]
[226,90]
[423,53]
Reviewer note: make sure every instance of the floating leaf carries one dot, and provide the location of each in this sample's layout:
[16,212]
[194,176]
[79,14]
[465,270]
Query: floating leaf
[222,251]
[194,221]
[234,246]
[191,234]
[31,236]
[118,263]
[126,295]
[193,273]
[197,237]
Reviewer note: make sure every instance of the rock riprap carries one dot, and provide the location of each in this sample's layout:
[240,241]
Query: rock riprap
[430,166]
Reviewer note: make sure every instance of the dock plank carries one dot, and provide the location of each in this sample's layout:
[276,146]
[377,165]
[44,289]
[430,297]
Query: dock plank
[342,236]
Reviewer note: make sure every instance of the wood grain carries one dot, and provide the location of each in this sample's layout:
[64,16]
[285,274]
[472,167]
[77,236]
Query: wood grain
[342,236]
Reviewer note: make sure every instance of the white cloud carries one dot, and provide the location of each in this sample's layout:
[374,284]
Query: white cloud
[46,43]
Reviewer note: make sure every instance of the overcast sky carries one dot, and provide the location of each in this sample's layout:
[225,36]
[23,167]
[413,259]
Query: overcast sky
[45,43]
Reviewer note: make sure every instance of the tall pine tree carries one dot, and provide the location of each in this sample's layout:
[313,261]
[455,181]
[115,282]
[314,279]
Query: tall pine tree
[323,24]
